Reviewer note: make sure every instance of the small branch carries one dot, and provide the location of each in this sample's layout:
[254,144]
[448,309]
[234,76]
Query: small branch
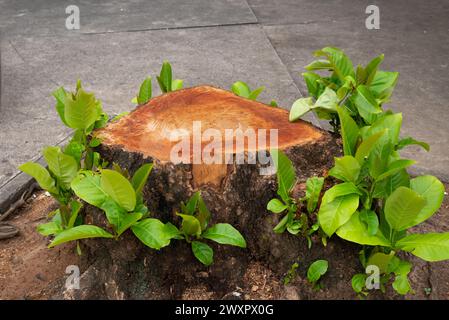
[19,202]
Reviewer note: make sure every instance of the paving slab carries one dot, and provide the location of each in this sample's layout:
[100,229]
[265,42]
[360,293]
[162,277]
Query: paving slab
[416,47]
[113,66]
[43,17]
[284,12]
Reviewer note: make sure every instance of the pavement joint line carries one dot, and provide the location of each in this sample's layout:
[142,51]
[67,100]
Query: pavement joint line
[29,64]
[305,23]
[171,28]
[17,51]
[252,11]
[315,120]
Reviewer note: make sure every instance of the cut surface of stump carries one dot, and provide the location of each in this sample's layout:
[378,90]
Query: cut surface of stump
[151,128]
[235,192]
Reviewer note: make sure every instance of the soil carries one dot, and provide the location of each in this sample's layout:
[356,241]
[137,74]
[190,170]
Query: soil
[28,268]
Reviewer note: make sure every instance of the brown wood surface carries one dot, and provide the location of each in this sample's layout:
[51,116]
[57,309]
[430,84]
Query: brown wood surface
[149,128]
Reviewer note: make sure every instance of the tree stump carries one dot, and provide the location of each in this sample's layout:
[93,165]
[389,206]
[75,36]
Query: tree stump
[235,192]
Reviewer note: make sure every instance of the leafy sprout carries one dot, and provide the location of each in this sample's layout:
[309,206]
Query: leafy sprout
[376,201]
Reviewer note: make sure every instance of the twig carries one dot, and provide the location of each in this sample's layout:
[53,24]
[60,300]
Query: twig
[19,202]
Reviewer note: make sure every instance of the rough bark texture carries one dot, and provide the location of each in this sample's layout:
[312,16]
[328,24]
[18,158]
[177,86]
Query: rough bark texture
[235,194]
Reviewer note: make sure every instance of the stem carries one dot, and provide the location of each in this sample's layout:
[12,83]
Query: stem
[65,214]
[370,195]
[346,97]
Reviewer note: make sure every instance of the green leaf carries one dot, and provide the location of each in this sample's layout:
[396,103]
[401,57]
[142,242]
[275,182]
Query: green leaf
[382,260]
[299,108]
[327,100]
[401,267]
[286,175]
[358,282]
[241,89]
[384,188]
[82,111]
[430,246]
[49,228]
[192,204]
[410,141]
[366,104]
[282,225]
[391,122]
[314,185]
[349,132]
[140,177]
[346,168]
[224,233]
[152,232]
[432,190]
[113,211]
[165,77]
[203,214]
[273,103]
[145,91]
[339,190]
[60,96]
[121,115]
[63,166]
[78,85]
[316,270]
[102,120]
[124,172]
[401,284]
[75,149]
[75,208]
[41,175]
[95,142]
[380,157]
[364,149]
[356,231]
[172,232]
[383,83]
[91,160]
[332,215]
[118,188]
[395,166]
[402,207]
[313,86]
[294,227]
[371,68]
[360,75]
[203,252]
[79,232]
[128,220]
[371,220]
[190,225]
[276,206]
[319,65]
[177,84]
[86,185]
[342,65]
[141,208]
[254,94]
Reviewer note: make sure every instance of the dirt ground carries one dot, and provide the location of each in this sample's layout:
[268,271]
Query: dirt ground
[27,266]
